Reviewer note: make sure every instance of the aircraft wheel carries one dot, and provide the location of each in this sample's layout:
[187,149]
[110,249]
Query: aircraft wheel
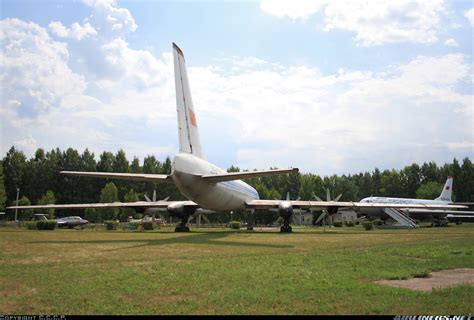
[289,229]
[181,229]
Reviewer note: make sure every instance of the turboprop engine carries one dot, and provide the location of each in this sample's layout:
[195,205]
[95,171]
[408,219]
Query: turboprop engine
[285,209]
[180,210]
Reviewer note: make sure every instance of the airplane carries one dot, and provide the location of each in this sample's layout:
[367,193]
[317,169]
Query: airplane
[207,186]
[66,222]
[438,216]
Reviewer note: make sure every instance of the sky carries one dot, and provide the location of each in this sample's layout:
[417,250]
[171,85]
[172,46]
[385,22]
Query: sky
[329,87]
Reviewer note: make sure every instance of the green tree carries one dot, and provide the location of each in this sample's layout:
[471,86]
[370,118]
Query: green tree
[466,182]
[3,194]
[14,165]
[130,196]
[376,182]
[91,215]
[135,166]
[106,161]
[48,198]
[233,169]
[429,190]
[24,214]
[411,179]
[391,185]
[109,194]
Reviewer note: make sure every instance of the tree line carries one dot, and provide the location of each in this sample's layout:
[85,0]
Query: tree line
[39,181]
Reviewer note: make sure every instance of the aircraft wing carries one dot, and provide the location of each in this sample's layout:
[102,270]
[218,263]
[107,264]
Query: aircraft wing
[267,204]
[245,175]
[120,176]
[137,204]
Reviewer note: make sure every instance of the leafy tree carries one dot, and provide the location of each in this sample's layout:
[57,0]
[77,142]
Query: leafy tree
[411,177]
[130,196]
[391,185]
[106,161]
[120,164]
[466,182]
[233,169]
[14,165]
[166,168]
[429,190]
[376,182]
[24,214]
[91,215]
[135,166]
[109,194]
[3,194]
[430,172]
[48,198]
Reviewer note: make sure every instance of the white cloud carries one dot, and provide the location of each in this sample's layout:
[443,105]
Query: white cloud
[451,43]
[373,22]
[111,20]
[35,68]
[296,9]
[469,14]
[76,31]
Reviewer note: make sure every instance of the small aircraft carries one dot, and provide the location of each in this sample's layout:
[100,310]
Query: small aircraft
[207,186]
[66,222]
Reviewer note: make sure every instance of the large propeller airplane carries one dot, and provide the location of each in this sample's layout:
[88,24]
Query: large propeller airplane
[207,186]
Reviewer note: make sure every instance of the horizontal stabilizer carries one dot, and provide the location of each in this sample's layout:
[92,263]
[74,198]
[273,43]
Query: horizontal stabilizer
[246,175]
[120,176]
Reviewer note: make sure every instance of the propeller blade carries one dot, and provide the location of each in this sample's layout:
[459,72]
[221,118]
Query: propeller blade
[166,199]
[147,199]
[328,195]
[288,196]
[154,195]
[338,197]
[317,198]
[298,199]
[325,212]
[205,218]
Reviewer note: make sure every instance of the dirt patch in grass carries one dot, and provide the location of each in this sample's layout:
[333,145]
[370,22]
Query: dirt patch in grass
[438,279]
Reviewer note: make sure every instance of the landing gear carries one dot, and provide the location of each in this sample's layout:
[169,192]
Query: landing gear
[439,223]
[182,227]
[286,226]
[250,219]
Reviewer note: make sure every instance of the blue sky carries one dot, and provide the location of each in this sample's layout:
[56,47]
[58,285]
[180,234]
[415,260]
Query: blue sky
[329,87]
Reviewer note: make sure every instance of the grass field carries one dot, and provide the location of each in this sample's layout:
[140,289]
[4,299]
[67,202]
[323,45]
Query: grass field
[220,271]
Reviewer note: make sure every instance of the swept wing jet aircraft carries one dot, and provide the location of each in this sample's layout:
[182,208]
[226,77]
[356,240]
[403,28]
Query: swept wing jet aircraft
[439,216]
[207,186]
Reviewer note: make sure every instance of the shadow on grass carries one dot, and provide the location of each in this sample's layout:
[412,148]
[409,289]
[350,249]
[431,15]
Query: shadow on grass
[200,238]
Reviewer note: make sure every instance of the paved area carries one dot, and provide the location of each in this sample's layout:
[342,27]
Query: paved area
[437,279]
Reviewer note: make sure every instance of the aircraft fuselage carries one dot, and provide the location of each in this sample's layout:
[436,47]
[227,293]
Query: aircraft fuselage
[186,172]
[379,212]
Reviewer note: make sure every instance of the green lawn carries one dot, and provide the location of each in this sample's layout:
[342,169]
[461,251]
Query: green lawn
[220,271]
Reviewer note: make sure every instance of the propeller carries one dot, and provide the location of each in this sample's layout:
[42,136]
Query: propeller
[199,214]
[325,211]
[154,200]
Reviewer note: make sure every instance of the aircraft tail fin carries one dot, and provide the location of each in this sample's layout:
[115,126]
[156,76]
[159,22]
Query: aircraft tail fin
[447,190]
[189,141]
